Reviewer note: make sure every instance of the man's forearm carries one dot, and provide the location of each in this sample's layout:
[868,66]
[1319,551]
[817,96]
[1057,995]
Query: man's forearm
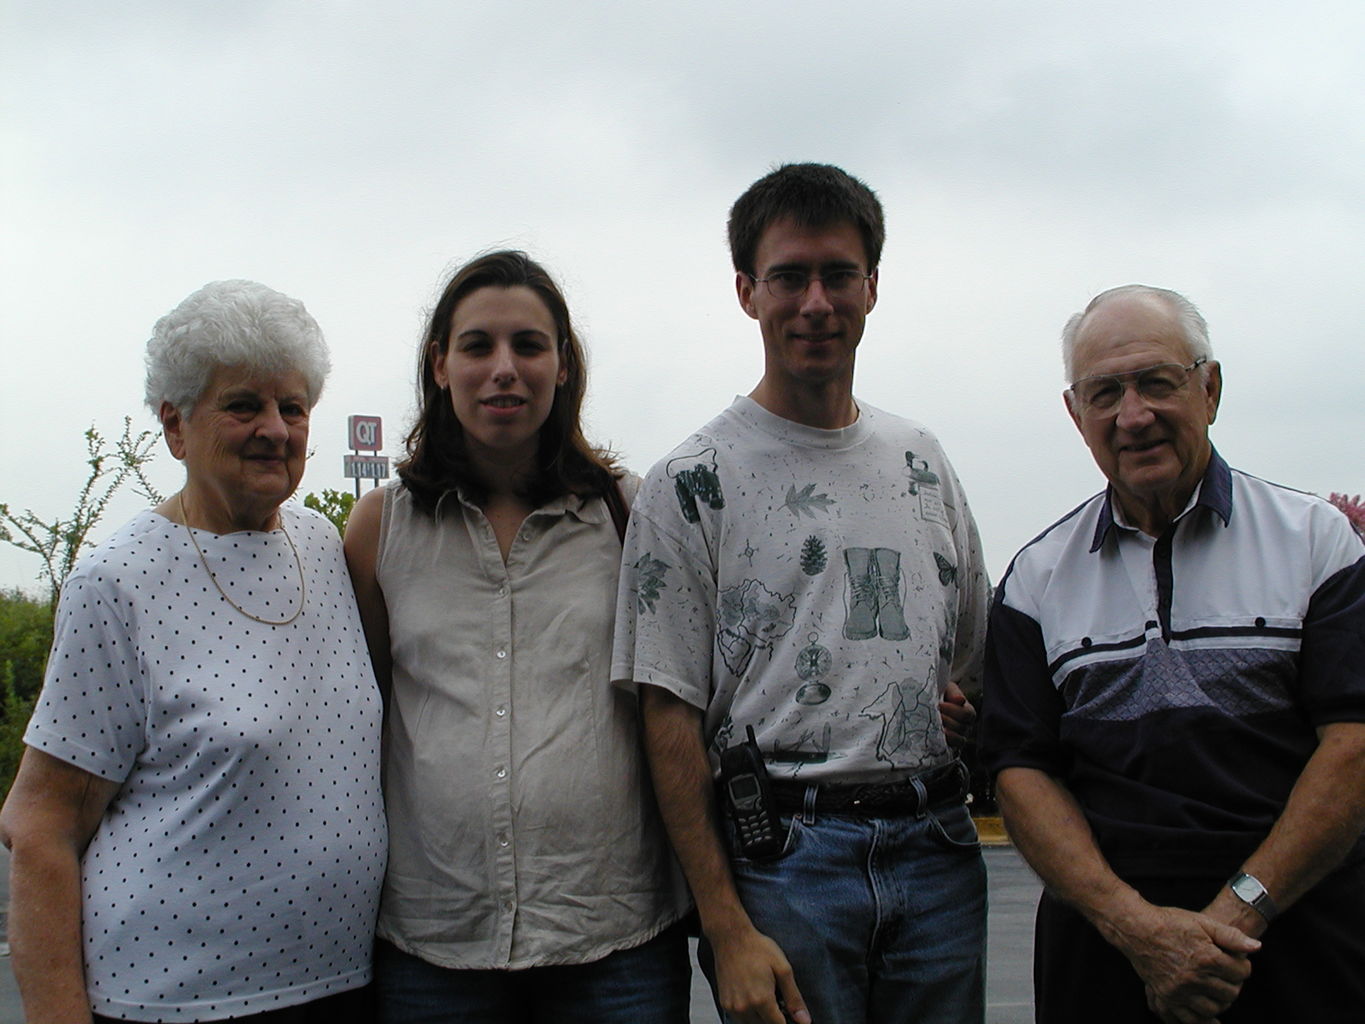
[754,980]
[1321,822]
[686,796]
[1049,829]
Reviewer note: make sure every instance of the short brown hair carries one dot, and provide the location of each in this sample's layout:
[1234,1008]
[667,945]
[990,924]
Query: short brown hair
[812,195]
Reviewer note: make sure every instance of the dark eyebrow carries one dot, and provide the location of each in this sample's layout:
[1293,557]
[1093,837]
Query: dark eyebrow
[529,332]
[805,268]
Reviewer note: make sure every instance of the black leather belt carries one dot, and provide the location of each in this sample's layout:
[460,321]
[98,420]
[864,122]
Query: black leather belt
[948,784]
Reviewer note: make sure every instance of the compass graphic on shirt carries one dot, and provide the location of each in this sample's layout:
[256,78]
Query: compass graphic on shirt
[812,662]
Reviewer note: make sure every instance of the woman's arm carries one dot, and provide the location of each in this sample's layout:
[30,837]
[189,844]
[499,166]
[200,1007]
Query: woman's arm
[52,811]
[362,558]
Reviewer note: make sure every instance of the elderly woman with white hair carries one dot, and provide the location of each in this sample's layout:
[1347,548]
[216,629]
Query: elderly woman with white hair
[196,827]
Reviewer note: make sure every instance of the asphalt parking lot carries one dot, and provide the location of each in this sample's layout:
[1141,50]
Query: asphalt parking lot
[1013,895]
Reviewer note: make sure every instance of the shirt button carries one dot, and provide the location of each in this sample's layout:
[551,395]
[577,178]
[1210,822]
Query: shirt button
[502,839]
[501,712]
[501,773]
[507,905]
[502,590]
[502,654]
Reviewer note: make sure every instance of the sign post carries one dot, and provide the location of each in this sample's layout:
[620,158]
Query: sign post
[366,434]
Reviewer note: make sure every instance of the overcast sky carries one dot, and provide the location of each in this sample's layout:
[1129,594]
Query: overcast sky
[1029,154]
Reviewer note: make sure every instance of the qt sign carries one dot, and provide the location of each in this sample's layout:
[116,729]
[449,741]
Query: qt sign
[366,433]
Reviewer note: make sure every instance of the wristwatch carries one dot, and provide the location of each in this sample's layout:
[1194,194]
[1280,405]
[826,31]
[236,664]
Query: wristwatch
[1249,890]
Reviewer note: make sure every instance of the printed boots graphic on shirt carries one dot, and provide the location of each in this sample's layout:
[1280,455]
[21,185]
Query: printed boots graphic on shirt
[874,602]
[695,479]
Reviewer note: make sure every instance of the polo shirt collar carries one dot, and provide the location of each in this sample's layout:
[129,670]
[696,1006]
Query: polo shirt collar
[1214,493]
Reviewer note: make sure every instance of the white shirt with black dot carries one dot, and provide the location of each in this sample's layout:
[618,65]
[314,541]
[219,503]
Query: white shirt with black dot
[238,868]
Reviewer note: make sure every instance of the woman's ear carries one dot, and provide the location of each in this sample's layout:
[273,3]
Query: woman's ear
[438,366]
[173,429]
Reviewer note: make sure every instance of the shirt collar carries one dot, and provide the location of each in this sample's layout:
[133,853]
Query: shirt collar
[1214,493]
[587,510]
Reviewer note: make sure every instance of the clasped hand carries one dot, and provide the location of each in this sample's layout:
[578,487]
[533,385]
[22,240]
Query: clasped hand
[1192,965]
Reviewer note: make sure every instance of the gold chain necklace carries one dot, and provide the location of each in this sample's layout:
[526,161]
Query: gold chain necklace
[298,563]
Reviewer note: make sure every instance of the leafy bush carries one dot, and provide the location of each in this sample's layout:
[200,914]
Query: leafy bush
[14,715]
[25,639]
[335,505]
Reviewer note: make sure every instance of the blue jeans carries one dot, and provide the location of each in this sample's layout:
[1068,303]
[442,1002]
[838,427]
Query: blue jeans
[883,919]
[650,984]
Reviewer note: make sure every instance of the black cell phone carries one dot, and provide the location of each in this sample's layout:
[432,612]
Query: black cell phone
[749,799]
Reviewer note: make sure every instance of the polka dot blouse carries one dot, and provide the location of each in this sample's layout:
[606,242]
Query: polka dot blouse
[238,868]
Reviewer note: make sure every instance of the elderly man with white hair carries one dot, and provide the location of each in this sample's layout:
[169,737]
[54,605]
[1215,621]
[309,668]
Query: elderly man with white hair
[1175,708]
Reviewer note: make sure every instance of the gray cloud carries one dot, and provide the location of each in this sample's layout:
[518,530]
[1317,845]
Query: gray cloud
[1029,155]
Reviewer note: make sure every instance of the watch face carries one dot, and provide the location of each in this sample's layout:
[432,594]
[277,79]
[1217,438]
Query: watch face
[1251,892]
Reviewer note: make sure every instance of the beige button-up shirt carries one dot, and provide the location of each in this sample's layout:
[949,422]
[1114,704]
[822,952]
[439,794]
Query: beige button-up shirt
[523,830]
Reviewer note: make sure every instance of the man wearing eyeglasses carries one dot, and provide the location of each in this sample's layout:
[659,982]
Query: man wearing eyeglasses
[802,600]
[1175,708]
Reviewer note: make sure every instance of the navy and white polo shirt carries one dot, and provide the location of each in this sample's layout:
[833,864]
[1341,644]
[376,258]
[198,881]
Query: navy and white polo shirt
[1175,683]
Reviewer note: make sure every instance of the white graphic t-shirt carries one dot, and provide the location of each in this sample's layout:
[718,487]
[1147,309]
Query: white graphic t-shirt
[821,586]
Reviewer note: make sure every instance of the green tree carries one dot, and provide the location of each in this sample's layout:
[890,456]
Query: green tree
[335,505]
[59,542]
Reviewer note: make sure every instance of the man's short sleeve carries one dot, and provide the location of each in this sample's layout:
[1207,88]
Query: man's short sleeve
[1332,655]
[973,597]
[665,610]
[1021,709]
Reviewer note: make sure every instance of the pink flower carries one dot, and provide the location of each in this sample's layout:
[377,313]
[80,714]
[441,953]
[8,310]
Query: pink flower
[1353,507]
